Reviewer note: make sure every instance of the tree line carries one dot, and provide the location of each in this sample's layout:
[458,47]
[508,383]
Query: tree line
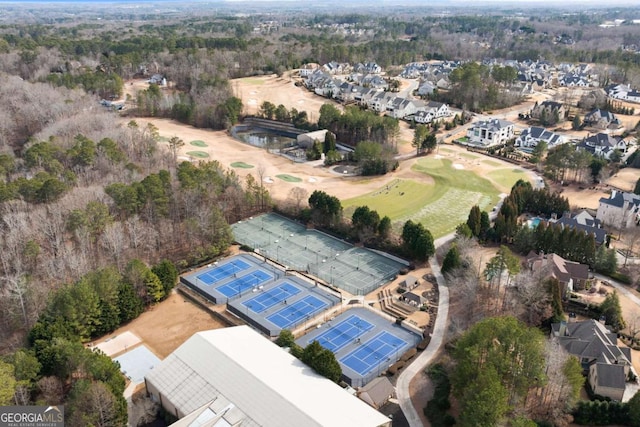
[365,225]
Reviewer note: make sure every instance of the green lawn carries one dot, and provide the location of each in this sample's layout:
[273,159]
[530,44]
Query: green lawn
[241,165]
[198,143]
[491,163]
[469,156]
[507,177]
[289,178]
[440,206]
[198,154]
[255,82]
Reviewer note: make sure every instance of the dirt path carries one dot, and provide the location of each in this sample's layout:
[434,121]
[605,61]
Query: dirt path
[165,326]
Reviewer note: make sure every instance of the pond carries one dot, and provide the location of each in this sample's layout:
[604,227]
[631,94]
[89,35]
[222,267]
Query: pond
[263,138]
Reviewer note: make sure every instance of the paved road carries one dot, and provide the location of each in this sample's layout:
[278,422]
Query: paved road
[620,288]
[437,339]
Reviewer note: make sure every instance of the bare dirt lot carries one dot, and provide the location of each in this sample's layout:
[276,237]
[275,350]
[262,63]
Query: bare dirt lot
[278,90]
[167,325]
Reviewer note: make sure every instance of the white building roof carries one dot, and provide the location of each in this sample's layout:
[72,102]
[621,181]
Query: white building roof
[259,379]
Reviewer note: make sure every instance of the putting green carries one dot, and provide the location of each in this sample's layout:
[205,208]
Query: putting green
[241,165]
[289,178]
[253,81]
[198,154]
[198,143]
[441,206]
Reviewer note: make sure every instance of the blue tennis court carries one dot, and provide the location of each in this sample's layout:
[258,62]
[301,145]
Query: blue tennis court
[294,313]
[244,283]
[378,350]
[271,297]
[343,333]
[228,269]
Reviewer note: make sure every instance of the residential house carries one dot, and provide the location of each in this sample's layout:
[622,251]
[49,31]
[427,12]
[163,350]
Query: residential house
[490,132]
[623,92]
[367,68]
[371,80]
[346,92]
[532,136]
[620,210]
[606,364]
[307,69]
[431,111]
[571,275]
[365,96]
[548,110]
[157,79]
[426,88]
[582,221]
[602,119]
[573,80]
[380,101]
[400,108]
[603,145]
[334,67]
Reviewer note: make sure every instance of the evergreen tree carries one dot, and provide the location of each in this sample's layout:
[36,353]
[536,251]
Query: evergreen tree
[451,259]
[612,311]
[474,220]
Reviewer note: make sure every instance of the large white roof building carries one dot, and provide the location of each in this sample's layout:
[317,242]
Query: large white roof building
[235,376]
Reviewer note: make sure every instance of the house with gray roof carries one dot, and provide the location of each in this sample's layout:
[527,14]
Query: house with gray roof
[623,92]
[603,145]
[584,222]
[606,364]
[532,136]
[602,119]
[490,132]
[547,110]
[620,210]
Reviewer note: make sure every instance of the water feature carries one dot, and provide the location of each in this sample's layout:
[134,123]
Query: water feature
[264,138]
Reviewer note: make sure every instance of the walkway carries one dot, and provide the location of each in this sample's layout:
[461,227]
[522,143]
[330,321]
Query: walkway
[427,356]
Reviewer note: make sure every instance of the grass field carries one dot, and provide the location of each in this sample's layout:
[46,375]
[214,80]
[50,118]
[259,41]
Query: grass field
[289,178]
[469,156]
[253,81]
[440,206]
[506,177]
[241,165]
[198,143]
[491,163]
[198,154]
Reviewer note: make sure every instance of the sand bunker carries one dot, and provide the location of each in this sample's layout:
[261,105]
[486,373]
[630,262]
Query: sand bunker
[268,180]
[457,166]
[312,179]
[252,102]
[253,92]
[437,156]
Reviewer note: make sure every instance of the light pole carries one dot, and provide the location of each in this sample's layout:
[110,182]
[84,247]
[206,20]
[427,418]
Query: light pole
[332,267]
[359,256]
[395,346]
